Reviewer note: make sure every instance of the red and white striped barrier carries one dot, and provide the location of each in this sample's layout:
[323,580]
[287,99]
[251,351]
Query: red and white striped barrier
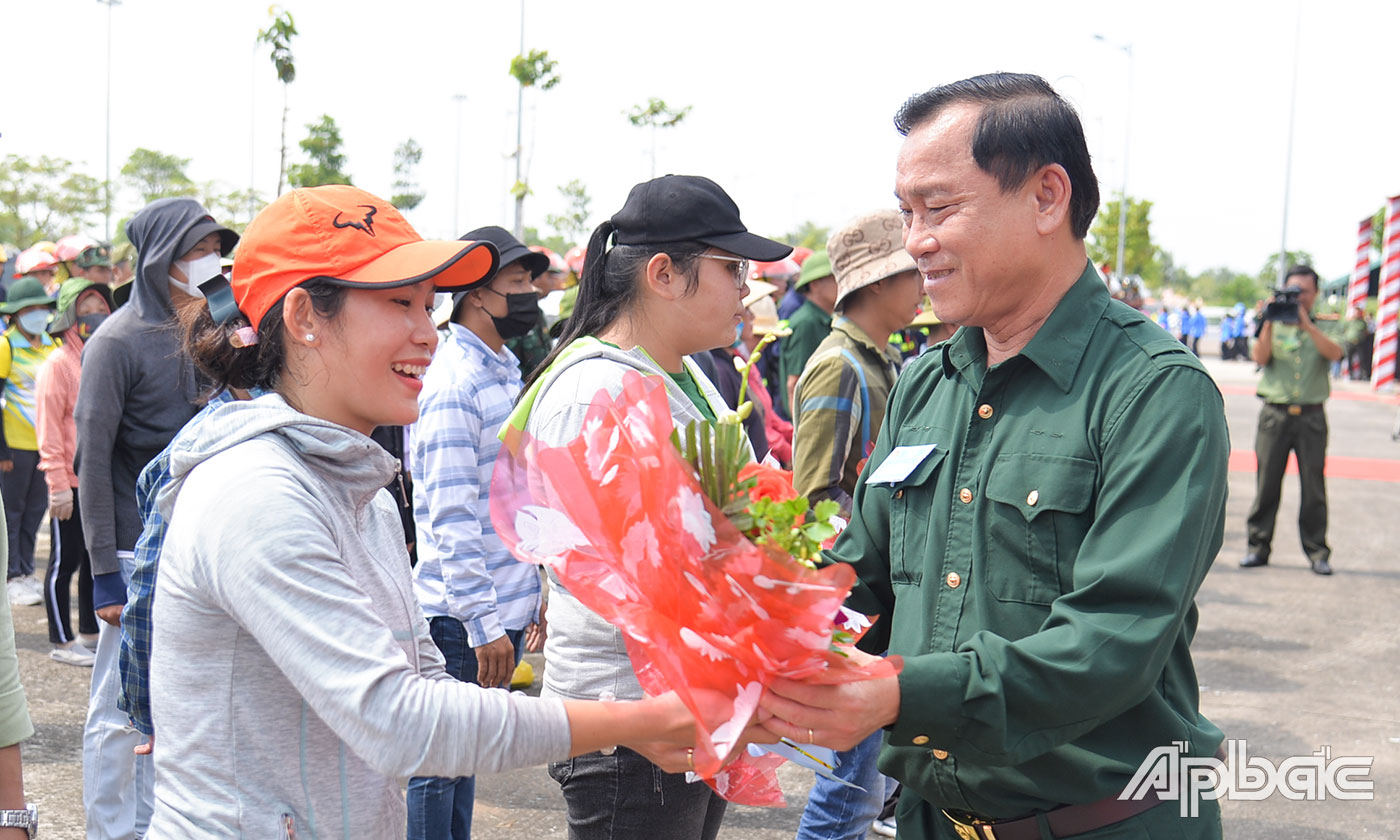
[1361,271]
[1383,354]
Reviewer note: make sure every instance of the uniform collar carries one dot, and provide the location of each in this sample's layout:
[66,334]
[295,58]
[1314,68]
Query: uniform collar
[1058,346]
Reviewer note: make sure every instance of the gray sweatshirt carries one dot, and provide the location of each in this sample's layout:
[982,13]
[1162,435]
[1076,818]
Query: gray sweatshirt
[293,677]
[584,655]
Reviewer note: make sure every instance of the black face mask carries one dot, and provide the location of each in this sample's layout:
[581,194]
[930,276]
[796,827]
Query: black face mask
[522,313]
[88,324]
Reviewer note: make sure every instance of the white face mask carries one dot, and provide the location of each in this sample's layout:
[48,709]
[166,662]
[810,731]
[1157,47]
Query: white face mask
[196,272]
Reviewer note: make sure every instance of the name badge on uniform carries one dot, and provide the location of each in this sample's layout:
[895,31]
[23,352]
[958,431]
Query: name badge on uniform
[900,463]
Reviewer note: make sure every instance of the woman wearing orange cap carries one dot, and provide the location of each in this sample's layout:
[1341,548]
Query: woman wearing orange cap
[293,676]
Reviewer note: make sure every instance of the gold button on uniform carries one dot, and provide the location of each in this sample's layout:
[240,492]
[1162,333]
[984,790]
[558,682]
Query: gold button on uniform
[965,495]
[940,754]
[954,580]
[1033,498]
[920,739]
[984,411]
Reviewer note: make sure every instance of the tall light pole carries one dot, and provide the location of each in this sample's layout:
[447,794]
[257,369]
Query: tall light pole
[1118,267]
[1288,156]
[107,177]
[520,140]
[459,98]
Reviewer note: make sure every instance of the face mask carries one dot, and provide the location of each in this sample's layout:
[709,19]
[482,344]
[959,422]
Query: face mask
[88,324]
[34,321]
[522,313]
[196,272]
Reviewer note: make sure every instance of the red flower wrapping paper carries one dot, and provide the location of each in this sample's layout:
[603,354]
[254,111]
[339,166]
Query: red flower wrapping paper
[619,517]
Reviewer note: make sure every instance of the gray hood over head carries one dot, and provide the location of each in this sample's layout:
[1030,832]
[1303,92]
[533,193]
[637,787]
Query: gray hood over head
[165,230]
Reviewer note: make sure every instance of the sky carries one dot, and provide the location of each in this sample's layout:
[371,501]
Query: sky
[792,102]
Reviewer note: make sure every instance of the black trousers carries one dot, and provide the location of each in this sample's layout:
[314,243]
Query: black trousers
[68,554]
[1280,432]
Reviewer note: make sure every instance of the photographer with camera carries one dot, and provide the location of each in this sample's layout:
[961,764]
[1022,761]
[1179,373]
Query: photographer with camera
[1294,355]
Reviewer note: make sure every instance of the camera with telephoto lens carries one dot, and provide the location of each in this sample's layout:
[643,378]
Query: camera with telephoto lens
[1284,307]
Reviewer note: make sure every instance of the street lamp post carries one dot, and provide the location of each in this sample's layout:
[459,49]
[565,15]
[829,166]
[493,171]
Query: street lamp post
[1288,156]
[1127,144]
[107,177]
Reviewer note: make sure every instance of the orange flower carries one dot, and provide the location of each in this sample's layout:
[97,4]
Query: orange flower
[769,483]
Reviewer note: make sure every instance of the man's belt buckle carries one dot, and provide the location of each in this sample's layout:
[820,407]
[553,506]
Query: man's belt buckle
[1295,410]
[975,830]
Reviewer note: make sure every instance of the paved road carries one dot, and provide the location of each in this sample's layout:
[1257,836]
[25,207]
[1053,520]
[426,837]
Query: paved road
[1287,660]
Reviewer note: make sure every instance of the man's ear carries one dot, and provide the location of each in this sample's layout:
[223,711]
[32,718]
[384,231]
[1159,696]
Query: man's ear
[1050,191]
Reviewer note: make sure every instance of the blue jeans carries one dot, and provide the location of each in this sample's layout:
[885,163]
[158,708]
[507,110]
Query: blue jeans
[624,796]
[441,808]
[836,812]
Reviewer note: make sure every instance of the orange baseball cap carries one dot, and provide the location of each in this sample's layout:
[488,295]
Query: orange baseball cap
[349,237]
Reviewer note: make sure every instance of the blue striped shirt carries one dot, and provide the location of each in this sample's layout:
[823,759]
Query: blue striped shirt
[464,571]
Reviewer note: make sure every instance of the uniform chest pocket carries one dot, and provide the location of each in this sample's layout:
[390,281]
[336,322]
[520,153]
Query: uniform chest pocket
[912,520]
[1037,518]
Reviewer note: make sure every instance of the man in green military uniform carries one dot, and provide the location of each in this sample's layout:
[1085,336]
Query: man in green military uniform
[1294,359]
[810,324]
[1031,561]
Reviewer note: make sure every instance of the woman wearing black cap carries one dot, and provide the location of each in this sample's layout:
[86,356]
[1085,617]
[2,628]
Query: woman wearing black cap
[664,278]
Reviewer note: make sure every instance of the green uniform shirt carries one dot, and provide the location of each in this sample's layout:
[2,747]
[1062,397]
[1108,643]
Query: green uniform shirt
[1038,569]
[810,325]
[840,407]
[1297,374]
[532,347]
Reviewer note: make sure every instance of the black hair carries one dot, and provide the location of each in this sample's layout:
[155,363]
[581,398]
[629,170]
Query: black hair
[260,365]
[608,286]
[1303,270]
[1024,125]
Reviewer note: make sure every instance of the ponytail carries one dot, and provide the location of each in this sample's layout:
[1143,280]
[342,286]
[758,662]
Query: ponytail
[609,284]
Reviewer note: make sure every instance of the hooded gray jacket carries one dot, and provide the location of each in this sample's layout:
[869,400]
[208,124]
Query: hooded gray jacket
[293,677]
[138,389]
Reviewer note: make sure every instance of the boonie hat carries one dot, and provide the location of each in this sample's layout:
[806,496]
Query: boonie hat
[349,237]
[689,208]
[24,293]
[815,267]
[868,249]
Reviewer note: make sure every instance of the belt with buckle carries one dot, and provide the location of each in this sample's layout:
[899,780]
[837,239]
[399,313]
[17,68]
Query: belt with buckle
[1295,410]
[1064,822]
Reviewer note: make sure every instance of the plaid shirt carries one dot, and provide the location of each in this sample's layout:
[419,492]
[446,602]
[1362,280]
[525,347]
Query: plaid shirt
[135,659]
[839,405]
[464,570]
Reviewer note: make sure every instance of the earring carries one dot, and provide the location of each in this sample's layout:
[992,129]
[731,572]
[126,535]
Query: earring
[310,337]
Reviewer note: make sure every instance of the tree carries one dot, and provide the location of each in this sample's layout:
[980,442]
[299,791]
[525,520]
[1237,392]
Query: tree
[1140,256]
[234,208]
[555,243]
[1270,276]
[572,225]
[44,198]
[157,175]
[808,235]
[279,36]
[532,69]
[326,164]
[657,114]
[407,194]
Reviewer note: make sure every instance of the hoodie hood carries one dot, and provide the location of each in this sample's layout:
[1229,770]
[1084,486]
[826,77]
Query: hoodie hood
[162,233]
[347,461]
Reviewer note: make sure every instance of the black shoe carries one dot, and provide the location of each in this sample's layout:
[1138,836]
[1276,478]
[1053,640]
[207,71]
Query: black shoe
[1251,560]
[1321,567]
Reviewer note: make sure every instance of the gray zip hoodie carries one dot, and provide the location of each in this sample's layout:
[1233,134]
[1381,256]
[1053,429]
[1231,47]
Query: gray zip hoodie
[293,677]
[585,656]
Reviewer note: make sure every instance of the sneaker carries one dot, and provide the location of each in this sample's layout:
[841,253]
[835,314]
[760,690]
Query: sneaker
[73,654]
[883,828]
[24,592]
[89,641]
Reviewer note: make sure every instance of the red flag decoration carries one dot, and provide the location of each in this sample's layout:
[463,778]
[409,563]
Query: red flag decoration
[1361,271]
[1383,354]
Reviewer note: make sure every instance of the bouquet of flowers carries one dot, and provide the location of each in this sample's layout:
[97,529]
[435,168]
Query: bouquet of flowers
[703,560]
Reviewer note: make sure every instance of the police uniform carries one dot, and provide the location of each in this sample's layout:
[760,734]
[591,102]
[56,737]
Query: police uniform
[1293,385]
[1037,569]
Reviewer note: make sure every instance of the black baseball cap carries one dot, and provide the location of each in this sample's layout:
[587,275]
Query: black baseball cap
[510,249]
[689,208]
